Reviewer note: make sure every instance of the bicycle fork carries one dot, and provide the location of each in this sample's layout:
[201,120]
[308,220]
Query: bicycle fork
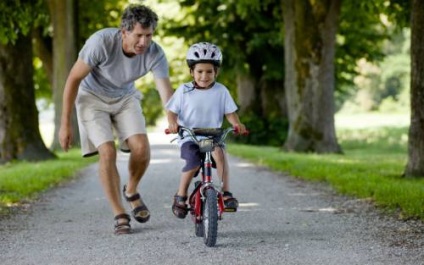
[207,183]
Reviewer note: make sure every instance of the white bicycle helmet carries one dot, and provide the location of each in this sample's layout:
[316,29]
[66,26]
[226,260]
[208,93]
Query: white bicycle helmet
[204,52]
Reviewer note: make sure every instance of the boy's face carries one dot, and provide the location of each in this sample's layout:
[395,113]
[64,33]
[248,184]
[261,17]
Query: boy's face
[204,74]
[136,41]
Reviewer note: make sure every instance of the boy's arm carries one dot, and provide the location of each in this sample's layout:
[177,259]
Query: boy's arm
[233,118]
[172,121]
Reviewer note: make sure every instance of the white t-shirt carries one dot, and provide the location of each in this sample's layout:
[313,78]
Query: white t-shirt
[201,108]
[113,73]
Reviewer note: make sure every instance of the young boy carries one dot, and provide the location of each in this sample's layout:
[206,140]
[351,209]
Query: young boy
[202,103]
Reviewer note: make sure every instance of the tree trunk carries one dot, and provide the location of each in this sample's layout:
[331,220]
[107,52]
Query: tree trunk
[415,165]
[20,136]
[267,97]
[43,49]
[63,13]
[245,91]
[310,32]
[273,99]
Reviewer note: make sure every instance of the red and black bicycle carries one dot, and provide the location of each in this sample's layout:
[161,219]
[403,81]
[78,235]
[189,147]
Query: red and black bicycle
[206,204]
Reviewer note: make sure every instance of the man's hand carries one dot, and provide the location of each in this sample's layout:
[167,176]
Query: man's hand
[65,137]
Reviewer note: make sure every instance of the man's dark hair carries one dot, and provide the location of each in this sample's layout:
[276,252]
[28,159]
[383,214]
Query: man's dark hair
[138,14]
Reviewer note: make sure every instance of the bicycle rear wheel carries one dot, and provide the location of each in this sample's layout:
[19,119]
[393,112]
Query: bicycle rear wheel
[210,218]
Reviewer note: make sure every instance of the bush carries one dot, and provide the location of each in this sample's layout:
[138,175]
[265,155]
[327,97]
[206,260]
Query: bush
[264,131]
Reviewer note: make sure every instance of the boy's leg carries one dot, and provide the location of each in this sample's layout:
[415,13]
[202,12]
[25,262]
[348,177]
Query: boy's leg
[222,167]
[179,206]
[185,181]
[191,154]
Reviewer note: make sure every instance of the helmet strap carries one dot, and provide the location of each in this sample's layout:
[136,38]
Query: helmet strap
[199,87]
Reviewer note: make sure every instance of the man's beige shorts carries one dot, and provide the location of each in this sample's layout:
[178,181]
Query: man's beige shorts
[100,118]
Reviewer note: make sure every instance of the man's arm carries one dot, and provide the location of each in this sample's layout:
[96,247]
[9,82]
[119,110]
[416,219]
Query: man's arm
[76,75]
[163,85]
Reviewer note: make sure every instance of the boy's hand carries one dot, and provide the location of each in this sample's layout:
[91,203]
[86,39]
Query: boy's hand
[240,128]
[173,127]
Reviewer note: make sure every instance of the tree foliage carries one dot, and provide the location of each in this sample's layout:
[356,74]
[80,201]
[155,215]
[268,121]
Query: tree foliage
[245,30]
[19,17]
[19,133]
[249,34]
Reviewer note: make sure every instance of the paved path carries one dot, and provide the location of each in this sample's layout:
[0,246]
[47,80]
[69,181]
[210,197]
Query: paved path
[281,221]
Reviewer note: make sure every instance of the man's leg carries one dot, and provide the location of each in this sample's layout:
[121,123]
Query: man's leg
[137,165]
[109,176]
[138,161]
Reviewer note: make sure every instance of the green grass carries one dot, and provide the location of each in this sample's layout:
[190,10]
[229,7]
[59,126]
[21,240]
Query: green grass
[371,167]
[21,181]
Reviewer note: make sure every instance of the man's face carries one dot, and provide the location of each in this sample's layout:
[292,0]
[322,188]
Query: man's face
[136,41]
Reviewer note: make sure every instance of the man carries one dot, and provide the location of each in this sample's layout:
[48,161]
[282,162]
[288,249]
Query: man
[101,85]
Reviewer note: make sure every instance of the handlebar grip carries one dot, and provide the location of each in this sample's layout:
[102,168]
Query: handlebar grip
[179,131]
[237,131]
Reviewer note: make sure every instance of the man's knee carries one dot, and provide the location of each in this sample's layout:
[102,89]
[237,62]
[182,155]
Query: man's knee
[138,142]
[107,151]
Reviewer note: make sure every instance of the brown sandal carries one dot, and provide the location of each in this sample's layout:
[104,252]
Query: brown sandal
[140,213]
[179,207]
[230,203]
[122,228]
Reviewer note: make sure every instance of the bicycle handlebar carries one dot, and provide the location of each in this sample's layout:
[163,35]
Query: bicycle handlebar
[192,132]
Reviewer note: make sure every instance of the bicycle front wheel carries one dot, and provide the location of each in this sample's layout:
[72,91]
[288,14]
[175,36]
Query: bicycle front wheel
[210,218]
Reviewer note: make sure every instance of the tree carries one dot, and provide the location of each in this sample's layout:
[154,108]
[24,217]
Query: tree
[20,137]
[310,33]
[415,165]
[64,21]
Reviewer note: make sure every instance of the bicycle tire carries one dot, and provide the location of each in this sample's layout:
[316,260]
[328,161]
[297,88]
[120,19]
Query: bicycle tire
[210,218]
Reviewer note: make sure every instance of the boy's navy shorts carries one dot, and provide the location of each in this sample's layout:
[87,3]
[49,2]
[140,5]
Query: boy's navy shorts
[191,154]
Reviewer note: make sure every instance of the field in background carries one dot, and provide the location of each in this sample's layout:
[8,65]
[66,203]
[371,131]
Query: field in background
[370,120]
[46,125]
[342,121]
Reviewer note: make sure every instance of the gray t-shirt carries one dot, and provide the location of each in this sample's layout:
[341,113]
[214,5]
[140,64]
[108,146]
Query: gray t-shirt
[201,108]
[113,74]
